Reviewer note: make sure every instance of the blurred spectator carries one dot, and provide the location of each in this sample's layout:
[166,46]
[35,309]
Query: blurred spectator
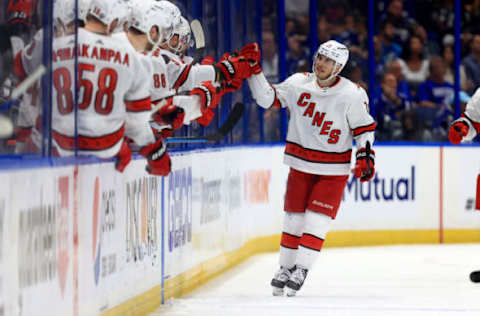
[390,49]
[414,64]
[389,107]
[297,54]
[435,96]
[472,64]
[400,20]
[430,47]
[449,59]
[324,31]
[443,17]
[412,129]
[403,90]
[270,56]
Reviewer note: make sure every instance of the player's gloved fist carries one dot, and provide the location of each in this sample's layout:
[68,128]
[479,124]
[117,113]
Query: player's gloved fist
[209,99]
[458,130]
[209,95]
[252,54]
[169,114]
[231,86]
[232,67]
[123,157]
[158,159]
[364,170]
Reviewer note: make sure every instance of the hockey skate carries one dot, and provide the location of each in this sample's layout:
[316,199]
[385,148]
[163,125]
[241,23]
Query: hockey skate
[475,276]
[280,279]
[296,281]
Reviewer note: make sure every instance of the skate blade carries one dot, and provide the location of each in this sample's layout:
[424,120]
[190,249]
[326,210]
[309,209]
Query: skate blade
[276,291]
[291,292]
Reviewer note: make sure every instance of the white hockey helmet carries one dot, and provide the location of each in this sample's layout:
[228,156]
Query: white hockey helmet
[336,52]
[184,33]
[104,11]
[171,10]
[63,12]
[124,13]
[146,15]
[83,9]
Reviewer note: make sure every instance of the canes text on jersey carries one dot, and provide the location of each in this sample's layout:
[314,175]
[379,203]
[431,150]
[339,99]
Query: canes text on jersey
[318,118]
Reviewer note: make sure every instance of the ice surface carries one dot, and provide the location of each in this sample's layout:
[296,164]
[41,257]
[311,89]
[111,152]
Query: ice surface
[393,280]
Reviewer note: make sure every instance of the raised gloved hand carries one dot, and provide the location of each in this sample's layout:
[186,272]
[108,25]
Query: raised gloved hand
[252,54]
[365,164]
[209,99]
[232,67]
[169,115]
[458,130]
[158,159]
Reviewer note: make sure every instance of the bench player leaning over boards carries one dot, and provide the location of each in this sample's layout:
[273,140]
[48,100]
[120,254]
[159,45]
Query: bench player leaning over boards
[113,98]
[327,112]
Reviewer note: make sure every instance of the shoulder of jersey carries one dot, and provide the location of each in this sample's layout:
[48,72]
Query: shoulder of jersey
[301,78]
[352,87]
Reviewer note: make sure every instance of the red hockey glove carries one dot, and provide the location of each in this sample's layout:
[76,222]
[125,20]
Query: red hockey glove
[234,67]
[158,159]
[123,157]
[363,169]
[170,115]
[209,99]
[231,86]
[458,130]
[208,60]
[252,54]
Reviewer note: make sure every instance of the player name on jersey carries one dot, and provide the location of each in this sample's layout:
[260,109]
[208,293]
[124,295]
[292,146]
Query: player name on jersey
[93,52]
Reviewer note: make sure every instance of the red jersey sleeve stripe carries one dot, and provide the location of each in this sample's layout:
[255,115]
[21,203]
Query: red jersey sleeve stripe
[317,156]
[289,241]
[139,105]
[311,242]
[363,129]
[276,100]
[475,124]
[183,77]
[18,66]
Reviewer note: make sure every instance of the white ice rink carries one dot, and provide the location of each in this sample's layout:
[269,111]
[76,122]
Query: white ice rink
[383,281]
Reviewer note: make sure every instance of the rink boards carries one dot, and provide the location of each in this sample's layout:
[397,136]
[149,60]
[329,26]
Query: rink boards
[86,240]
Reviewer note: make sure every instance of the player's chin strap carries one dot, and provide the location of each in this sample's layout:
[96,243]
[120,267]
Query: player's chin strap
[333,74]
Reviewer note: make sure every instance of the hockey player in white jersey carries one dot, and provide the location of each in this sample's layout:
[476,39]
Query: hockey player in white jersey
[114,96]
[327,113]
[466,128]
[29,121]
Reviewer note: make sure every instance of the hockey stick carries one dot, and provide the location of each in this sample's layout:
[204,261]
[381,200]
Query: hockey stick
[199,35]
[6,125]
[232,119]
[23,87]
[367,157]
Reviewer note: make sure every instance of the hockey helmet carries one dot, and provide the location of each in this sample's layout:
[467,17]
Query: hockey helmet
[104,11]
[184,33]
[147,15]
[336,52]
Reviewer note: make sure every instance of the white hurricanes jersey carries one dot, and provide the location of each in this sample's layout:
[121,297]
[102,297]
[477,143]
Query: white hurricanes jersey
[323,123]
[113,95]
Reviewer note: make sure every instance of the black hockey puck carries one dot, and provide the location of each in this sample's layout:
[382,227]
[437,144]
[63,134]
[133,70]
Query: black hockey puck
[475,276]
